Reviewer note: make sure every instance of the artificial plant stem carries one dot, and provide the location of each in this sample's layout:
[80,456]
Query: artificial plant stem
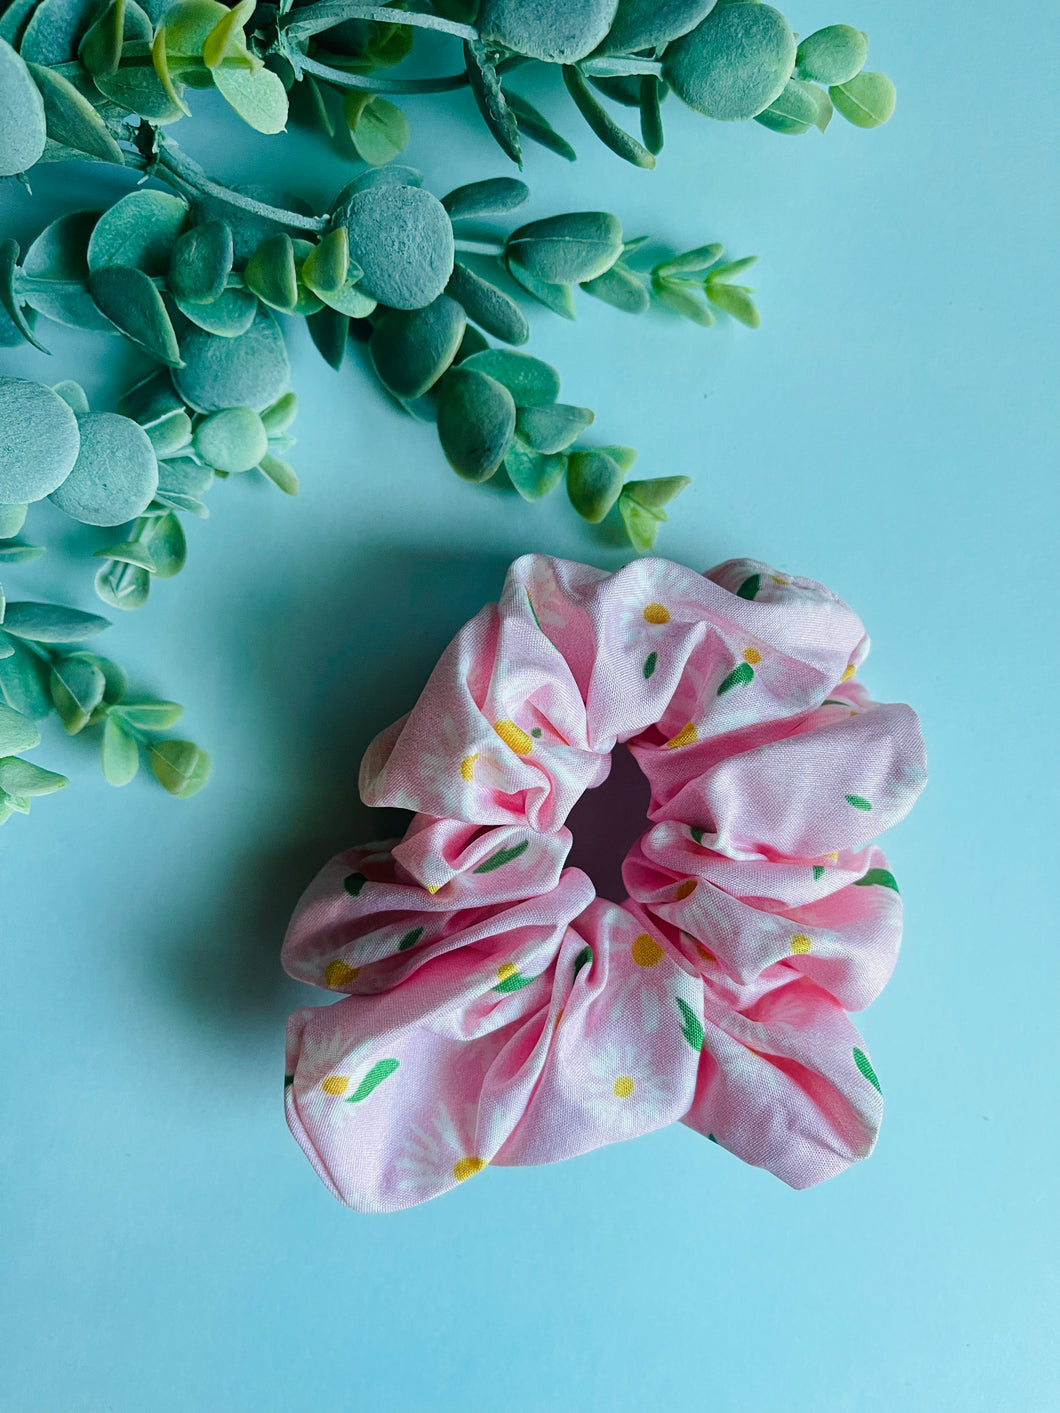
[615,68]
[375,83]
[311,19]
[480,247]
[173,166]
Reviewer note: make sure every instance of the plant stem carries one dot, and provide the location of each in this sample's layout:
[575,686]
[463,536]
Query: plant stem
[481,247]
[178,170]
[615,68]
[311,19]
[374,83]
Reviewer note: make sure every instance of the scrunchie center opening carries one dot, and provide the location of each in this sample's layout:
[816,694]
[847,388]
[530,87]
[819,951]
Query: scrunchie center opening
[606,823]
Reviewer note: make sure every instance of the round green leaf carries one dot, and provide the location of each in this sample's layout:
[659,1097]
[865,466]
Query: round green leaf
[832,55]
[533,475]
[22,778]
[39,441]
[116,473]
[734,63]
[52,623]
[189,24]
[12,518]
[14,19]
[594,483]
[124,586]
[200,262]
[476,420]
[74,395]
[866,101]
[558,31]
[271,275]
[493,197]
[132,303]
[488,306]
[138,232]
[119,753]
[644,24]
[551,429]
[71,118]
[58,264]
[234,440]
[100,49]
[621,288]
[402,239]
[257,95]
[23,128]
[24,681]
[150,715]
[250,370]
[531,381]
[411,349]
[17,732]
[379,129]
[326,268]
[180,767]
[52,35]
[567,249]
[168,545]
[228,316]
[77,686]
[795,111]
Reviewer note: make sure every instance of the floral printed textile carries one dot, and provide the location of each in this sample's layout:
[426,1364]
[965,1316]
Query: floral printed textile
[495,1010]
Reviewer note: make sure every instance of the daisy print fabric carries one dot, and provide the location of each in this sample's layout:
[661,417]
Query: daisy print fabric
[493,1009]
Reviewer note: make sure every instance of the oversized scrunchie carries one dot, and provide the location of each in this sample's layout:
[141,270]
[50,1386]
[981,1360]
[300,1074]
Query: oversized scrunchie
[496,1010]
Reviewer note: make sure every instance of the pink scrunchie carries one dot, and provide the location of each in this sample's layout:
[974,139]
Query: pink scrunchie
[497,1011]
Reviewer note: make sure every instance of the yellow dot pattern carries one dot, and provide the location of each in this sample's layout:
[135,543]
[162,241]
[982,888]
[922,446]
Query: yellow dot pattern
[337,973]
[467,767]
[335,1084]
[685,889]
[467,1168]
[645,951]
[685,737]
[505,970]
[624,1086]
[801,944]
[515,737]
[432,887]
[657,613]
[848,672]
[752,656]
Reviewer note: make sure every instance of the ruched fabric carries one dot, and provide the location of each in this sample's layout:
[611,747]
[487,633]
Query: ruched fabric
[495,1010]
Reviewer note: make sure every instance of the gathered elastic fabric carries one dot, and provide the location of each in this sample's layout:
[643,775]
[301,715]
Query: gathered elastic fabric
[496,1011]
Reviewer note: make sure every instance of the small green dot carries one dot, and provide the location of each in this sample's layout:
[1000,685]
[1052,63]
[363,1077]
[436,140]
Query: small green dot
[651,662]
[859,802]
[535,731]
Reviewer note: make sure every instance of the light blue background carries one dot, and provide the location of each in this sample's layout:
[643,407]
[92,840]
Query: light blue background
[888,431]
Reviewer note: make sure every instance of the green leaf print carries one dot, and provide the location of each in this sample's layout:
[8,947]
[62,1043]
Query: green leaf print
[697,834]
[288,1080]
[818,872]
[410,939]
[691,1028]
[865,1066]
[583,958]
[859,802]
[651,662]
[533,610]
[381,1070]
[353,883]
[749,588]
[882,877]
[502,857]
[515,982]
[744,673]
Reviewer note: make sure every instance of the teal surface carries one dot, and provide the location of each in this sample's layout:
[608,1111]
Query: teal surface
[892,431]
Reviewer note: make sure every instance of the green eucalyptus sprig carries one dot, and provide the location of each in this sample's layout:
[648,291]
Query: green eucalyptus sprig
[45,670]
[198,283]
[730,60]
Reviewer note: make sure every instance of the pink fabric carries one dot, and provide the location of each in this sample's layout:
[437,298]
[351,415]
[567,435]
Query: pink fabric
[496,1010]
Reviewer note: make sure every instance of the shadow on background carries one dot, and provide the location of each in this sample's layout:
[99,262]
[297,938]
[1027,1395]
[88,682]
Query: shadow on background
[331,665]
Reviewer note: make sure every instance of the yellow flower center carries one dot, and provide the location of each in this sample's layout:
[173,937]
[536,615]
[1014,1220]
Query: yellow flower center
[685,889]
[335,1084]
[623,1086]
[752,656]
[514,736]
[467,766]
[467,1168]
[505,970]
[657,613]
[646,951]
[848,672]
[684,737]
[432,887]
[338,974]
[800,944]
